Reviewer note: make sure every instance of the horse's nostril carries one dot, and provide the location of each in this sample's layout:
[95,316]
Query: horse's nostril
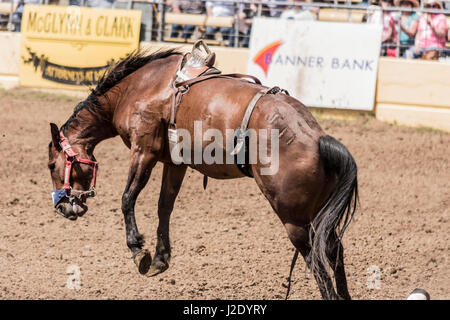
[79,209]
[68,211]
[60,210]
[84,209]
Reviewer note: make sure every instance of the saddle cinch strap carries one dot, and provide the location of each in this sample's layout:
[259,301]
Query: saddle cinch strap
[248,113]
[241,134]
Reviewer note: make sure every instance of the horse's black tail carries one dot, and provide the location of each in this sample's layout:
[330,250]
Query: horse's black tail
[338,211]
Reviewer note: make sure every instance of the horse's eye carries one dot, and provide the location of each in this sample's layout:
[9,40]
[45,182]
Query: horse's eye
[51,166]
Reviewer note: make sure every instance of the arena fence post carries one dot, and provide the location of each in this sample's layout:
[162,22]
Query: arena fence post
[236,31]
[162,20]
[10,23]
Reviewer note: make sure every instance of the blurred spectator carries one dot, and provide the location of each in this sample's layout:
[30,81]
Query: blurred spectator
[220,9]
[375,15]
[408,26]
[389,37]
[299,12]
[246,14]
[186,6]
[275,9]
[247,11]
[432,32]
[17,15]
[101,4]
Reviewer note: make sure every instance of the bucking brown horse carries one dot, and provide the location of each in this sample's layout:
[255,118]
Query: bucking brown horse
[314,191]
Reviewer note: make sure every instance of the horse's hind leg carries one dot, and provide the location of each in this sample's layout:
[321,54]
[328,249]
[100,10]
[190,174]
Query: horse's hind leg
[336,258]
[299,237]
[171,183]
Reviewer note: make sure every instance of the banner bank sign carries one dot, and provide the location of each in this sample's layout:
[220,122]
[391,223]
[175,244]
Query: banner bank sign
[323,64]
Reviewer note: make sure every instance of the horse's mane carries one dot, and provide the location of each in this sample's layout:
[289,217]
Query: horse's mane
[112,77]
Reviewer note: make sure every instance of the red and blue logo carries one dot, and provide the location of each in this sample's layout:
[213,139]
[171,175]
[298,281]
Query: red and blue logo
[264,57]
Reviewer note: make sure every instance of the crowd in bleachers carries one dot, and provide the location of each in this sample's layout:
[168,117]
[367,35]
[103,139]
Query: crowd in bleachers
[410,33]
[406,34]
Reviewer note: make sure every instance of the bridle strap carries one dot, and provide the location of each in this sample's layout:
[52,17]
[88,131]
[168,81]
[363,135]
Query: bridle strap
[65,145]
[71,158]
[67,172]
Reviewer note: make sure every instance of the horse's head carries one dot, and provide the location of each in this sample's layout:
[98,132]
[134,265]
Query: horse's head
[73,174]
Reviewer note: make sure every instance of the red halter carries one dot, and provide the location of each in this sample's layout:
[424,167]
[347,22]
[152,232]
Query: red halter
[71,158]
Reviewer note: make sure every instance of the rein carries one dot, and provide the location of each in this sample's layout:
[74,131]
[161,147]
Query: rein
[71,158]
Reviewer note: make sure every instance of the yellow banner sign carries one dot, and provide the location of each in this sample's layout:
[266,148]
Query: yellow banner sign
[69,47]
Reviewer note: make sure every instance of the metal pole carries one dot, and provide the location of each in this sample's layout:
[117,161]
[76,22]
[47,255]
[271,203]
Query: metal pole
[258,14]
[349,15]
[11,12]
[236,28]
[129,4]
[162,20]
[397,23]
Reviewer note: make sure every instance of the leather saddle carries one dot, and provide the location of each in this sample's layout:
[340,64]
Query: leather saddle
[200,61]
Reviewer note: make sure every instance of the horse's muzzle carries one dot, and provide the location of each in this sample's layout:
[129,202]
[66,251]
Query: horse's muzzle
[71,210]
[70,207]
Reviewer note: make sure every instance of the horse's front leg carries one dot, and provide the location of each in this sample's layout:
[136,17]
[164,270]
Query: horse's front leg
[171,183]
[139,173]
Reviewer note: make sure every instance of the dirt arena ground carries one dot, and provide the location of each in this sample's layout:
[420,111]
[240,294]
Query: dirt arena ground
[227,242]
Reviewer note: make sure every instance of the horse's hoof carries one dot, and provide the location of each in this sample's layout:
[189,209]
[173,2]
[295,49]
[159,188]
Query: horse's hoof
[156,268]
[143,260]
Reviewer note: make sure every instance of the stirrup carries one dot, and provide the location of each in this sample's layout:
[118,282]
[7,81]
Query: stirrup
[207,57]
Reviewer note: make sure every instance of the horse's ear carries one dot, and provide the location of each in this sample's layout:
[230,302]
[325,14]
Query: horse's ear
[55,136]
